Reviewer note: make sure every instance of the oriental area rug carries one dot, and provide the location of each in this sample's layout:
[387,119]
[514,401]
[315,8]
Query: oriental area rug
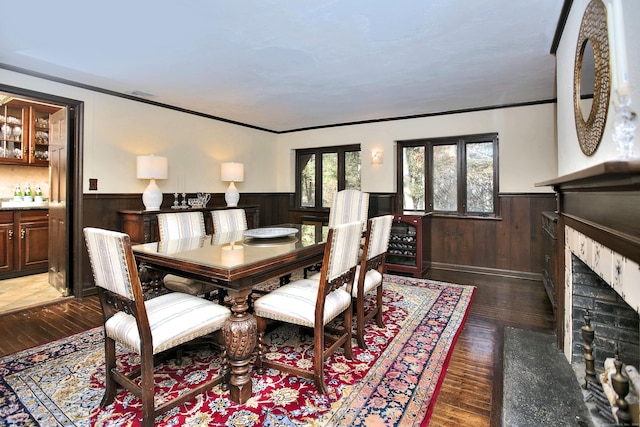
[392,383]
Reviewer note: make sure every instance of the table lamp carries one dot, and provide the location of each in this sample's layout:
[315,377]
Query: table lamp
[232,172]
[152,167]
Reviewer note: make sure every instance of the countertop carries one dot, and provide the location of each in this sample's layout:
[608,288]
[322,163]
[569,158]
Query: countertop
[18,206]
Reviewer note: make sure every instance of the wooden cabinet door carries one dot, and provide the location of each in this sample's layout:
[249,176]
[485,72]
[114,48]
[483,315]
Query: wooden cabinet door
[33,242]
[7,236]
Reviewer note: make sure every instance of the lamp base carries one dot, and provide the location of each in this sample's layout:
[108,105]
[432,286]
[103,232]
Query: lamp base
[231,196]
[152,197]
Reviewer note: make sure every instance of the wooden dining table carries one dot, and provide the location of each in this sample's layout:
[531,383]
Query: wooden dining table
[237,263]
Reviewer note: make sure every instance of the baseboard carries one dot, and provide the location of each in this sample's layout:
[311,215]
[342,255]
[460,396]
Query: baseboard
[487,271]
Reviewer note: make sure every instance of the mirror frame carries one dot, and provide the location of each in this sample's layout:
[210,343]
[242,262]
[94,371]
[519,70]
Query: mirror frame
[593,29]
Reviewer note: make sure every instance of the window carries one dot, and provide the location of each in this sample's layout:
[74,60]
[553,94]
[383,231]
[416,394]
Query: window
[321,172]
[453,175]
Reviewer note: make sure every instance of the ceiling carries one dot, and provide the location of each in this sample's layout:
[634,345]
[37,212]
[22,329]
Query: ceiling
[284,65]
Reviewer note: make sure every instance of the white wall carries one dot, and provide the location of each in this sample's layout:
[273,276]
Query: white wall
[570,157]
[117,129]
[527,144]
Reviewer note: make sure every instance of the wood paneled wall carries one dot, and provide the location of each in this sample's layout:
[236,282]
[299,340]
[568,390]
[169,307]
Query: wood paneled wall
[508,245]
[101,210]
[511,244]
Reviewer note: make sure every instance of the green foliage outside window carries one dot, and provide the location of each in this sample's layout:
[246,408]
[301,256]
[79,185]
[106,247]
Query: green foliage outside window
[452,175]
[321,172]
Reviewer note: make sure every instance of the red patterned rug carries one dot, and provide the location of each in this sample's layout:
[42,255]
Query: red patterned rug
[394,382]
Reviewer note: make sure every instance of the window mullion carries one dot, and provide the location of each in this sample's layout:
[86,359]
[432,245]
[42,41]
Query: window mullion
[462,177]
[428,174]
[341,170]
[319,183]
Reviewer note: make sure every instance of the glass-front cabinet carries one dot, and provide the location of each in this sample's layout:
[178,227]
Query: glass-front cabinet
[409,245]
[40,135]
[13,148]
[24,132]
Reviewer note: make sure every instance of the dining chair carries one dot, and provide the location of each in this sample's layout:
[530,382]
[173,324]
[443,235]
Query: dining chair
[369,273]
[181,225]
[149,328]
[349,205]
[225,220]
[313,304]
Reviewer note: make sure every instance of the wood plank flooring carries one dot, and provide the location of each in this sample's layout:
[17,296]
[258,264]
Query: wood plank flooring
[471,394]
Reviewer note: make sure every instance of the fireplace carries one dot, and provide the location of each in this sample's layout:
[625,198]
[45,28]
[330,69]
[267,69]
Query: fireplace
[599,225]
[615,323]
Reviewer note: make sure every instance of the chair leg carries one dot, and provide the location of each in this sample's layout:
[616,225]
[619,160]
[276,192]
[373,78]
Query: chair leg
[221,295]
[318,359]
[225,369]
[285,279]
[379,307]
[147,384]
[111,387]
[360,322]
[348,348]
[262,325]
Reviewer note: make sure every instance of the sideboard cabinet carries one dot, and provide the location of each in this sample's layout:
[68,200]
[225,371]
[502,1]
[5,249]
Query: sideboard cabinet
[409,249]
[142,226]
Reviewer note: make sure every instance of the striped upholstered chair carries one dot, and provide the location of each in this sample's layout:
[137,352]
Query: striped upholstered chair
[349,205]
[369,273]
[226,220]
[177,225]
[177,231]
[145,327]
[314,304]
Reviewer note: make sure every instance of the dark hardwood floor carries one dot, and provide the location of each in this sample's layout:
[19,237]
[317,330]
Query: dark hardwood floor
[471,393]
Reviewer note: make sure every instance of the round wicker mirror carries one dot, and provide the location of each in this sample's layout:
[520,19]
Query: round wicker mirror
[593,36]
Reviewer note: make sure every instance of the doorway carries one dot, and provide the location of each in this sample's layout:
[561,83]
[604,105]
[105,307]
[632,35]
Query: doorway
[67,218]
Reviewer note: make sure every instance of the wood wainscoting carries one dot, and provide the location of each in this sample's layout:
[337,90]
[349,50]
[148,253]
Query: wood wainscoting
[510,245]
[102,210]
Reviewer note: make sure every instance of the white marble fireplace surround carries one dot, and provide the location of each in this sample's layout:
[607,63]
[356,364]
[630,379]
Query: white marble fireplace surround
[622,274]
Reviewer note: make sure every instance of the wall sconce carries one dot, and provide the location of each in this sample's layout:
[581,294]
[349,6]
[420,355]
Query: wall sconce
[232,172]
[152,167]
[376,157]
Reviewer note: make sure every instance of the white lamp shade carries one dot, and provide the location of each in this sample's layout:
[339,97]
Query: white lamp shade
[152,167]
[233,172]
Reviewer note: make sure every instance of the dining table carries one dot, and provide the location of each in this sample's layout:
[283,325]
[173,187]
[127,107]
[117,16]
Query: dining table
[236,262]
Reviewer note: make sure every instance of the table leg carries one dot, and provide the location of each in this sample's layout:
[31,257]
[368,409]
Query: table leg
[240,337]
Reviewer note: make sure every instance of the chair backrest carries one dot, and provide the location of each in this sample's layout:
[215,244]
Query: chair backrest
[378,235]
[178,225]
[338,265]
[174,246]
[349,205]
[227,237]
[341,252]
[112,262]
[226,220]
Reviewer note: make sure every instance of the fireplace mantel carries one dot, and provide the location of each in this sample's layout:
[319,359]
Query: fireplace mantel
[603,203]
[617,173]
